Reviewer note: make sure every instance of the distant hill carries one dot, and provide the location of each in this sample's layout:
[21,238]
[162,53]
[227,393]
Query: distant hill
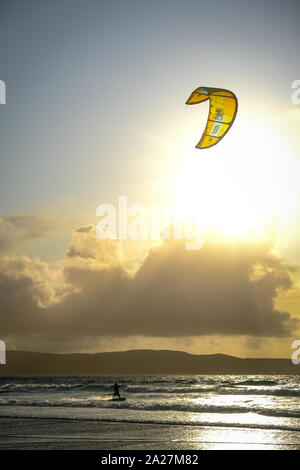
[139,362]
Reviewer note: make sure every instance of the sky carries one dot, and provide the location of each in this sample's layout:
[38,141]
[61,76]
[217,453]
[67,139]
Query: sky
[95,109]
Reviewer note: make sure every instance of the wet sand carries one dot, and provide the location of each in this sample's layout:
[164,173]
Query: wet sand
[60,434]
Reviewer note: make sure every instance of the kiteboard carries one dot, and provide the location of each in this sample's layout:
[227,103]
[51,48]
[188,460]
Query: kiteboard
[114,399]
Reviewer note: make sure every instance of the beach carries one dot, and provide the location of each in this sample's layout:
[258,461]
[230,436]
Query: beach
[160,413]
[24,434]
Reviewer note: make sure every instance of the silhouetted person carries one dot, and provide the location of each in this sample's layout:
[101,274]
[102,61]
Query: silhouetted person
[116,390]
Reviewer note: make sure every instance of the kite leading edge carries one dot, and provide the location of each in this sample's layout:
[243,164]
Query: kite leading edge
[222,113]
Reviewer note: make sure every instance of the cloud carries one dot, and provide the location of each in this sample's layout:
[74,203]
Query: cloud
[212,291]
[17,229]
[87,252]
[227,288]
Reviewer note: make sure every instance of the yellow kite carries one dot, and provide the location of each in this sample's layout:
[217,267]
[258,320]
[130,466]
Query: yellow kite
[222,112]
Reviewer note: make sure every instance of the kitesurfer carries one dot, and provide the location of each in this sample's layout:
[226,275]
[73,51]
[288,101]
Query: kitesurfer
[116,390]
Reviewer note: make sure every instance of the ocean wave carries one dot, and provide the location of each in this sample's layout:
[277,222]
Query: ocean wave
[220,424]
[37,387]
[170,389]
[149,391]
[294,392]
[144,406]
[259,382]
[54,387]
[105,387]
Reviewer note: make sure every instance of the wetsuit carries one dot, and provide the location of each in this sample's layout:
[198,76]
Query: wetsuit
[116,390]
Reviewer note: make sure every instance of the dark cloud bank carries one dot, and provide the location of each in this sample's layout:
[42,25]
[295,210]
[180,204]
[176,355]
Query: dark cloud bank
[227,288]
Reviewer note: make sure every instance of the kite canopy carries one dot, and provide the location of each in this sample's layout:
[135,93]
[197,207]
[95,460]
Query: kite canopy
[222,112]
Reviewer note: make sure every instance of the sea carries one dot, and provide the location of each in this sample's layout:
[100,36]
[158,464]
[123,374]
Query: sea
[160,412]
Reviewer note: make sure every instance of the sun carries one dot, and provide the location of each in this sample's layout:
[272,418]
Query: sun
[239,185]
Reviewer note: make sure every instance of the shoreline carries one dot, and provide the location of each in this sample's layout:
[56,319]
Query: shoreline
[68,434]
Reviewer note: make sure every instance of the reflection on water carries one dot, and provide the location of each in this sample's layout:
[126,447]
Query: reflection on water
[239,438]
[183,412]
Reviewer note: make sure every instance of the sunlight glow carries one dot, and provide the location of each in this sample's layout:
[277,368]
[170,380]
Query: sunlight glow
[238,186]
